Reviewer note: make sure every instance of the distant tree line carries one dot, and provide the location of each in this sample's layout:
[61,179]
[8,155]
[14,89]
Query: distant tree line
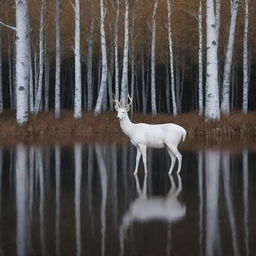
[169,56]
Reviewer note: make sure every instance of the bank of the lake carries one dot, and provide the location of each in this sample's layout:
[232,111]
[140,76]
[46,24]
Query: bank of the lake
[237,127]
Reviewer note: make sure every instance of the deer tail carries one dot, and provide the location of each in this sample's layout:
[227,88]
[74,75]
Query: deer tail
[184,133]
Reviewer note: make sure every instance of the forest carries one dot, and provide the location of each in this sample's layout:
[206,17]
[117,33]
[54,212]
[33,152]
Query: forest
[170,56]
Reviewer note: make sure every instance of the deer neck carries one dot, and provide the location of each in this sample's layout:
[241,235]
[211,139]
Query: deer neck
[127,125]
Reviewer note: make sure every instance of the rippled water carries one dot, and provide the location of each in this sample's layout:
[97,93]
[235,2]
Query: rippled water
[84,200]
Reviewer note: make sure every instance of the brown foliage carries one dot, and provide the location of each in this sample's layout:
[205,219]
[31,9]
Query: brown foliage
[236,127]
[184,25]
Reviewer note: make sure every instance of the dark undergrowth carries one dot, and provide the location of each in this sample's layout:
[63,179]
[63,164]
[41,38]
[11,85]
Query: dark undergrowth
[236,127]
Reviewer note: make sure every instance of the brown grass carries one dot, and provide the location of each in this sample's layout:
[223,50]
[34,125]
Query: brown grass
[44,127]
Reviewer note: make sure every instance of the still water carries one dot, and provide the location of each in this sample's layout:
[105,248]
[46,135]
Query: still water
[84,200]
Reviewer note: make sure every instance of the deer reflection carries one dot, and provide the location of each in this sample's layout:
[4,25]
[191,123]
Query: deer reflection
[149,208]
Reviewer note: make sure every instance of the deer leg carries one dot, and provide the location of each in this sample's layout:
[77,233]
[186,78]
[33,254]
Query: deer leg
[173,186]
[137,161]
[143,150]
[178,156]
[173,160]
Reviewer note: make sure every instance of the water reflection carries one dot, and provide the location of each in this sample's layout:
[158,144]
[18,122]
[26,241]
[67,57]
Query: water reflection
[22,200]
[146,208]
[57,198]
[84,200]
[212,170]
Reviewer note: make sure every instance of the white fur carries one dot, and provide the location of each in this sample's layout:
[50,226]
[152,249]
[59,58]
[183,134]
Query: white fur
[153,136]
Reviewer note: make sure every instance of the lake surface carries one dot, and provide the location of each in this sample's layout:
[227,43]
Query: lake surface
[84,200]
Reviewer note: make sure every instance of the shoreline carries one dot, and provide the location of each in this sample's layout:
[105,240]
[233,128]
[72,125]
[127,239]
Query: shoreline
[237,127]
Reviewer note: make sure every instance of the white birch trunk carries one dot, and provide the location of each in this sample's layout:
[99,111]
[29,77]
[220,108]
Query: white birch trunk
[212,110]
[57,64]
[225,103]
[10,74]
[167,79]
[90,68]
[124,85]
[153,61]
[200,60]
[104,71]
[144,104]
[116,52]
[245,58]
[31,85]
[132,59]
[35,71]
[174,104]
[38,100]
[217,11]
[22,60]
[110,77]
[78,81]
[47,83]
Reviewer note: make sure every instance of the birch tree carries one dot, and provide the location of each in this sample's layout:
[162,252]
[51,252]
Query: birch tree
[78,82]
[124,84]
[57,61]
[31,85]
[104,71]
[116,51]
[200,59]
[90,67]
[217,8]
[169,26]
[225,103]
[38,101]
[212,110]
[22,60]
[245,58]
[47,82]
[153,60]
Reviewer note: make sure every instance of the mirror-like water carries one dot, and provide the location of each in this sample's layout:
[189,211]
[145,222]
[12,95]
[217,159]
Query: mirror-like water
[84,200]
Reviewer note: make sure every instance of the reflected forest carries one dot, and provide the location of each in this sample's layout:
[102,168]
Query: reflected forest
[169,56]
[83,200]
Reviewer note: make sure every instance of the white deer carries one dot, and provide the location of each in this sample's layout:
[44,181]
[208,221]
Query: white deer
[153,136]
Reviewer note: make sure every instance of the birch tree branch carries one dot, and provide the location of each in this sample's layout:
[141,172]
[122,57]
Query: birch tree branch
[8,26]
[72,4]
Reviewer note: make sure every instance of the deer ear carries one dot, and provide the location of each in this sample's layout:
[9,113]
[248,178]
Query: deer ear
[127,108]
[116,107]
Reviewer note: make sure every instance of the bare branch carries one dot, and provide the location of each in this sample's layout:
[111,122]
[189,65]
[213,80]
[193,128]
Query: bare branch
[72,4]
[192,14]
[8,26]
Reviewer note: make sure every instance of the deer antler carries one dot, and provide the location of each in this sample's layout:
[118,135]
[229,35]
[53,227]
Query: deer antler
[130,103]
[117,103]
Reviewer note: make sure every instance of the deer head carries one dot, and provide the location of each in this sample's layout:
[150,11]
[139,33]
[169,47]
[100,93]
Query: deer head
[122,110]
